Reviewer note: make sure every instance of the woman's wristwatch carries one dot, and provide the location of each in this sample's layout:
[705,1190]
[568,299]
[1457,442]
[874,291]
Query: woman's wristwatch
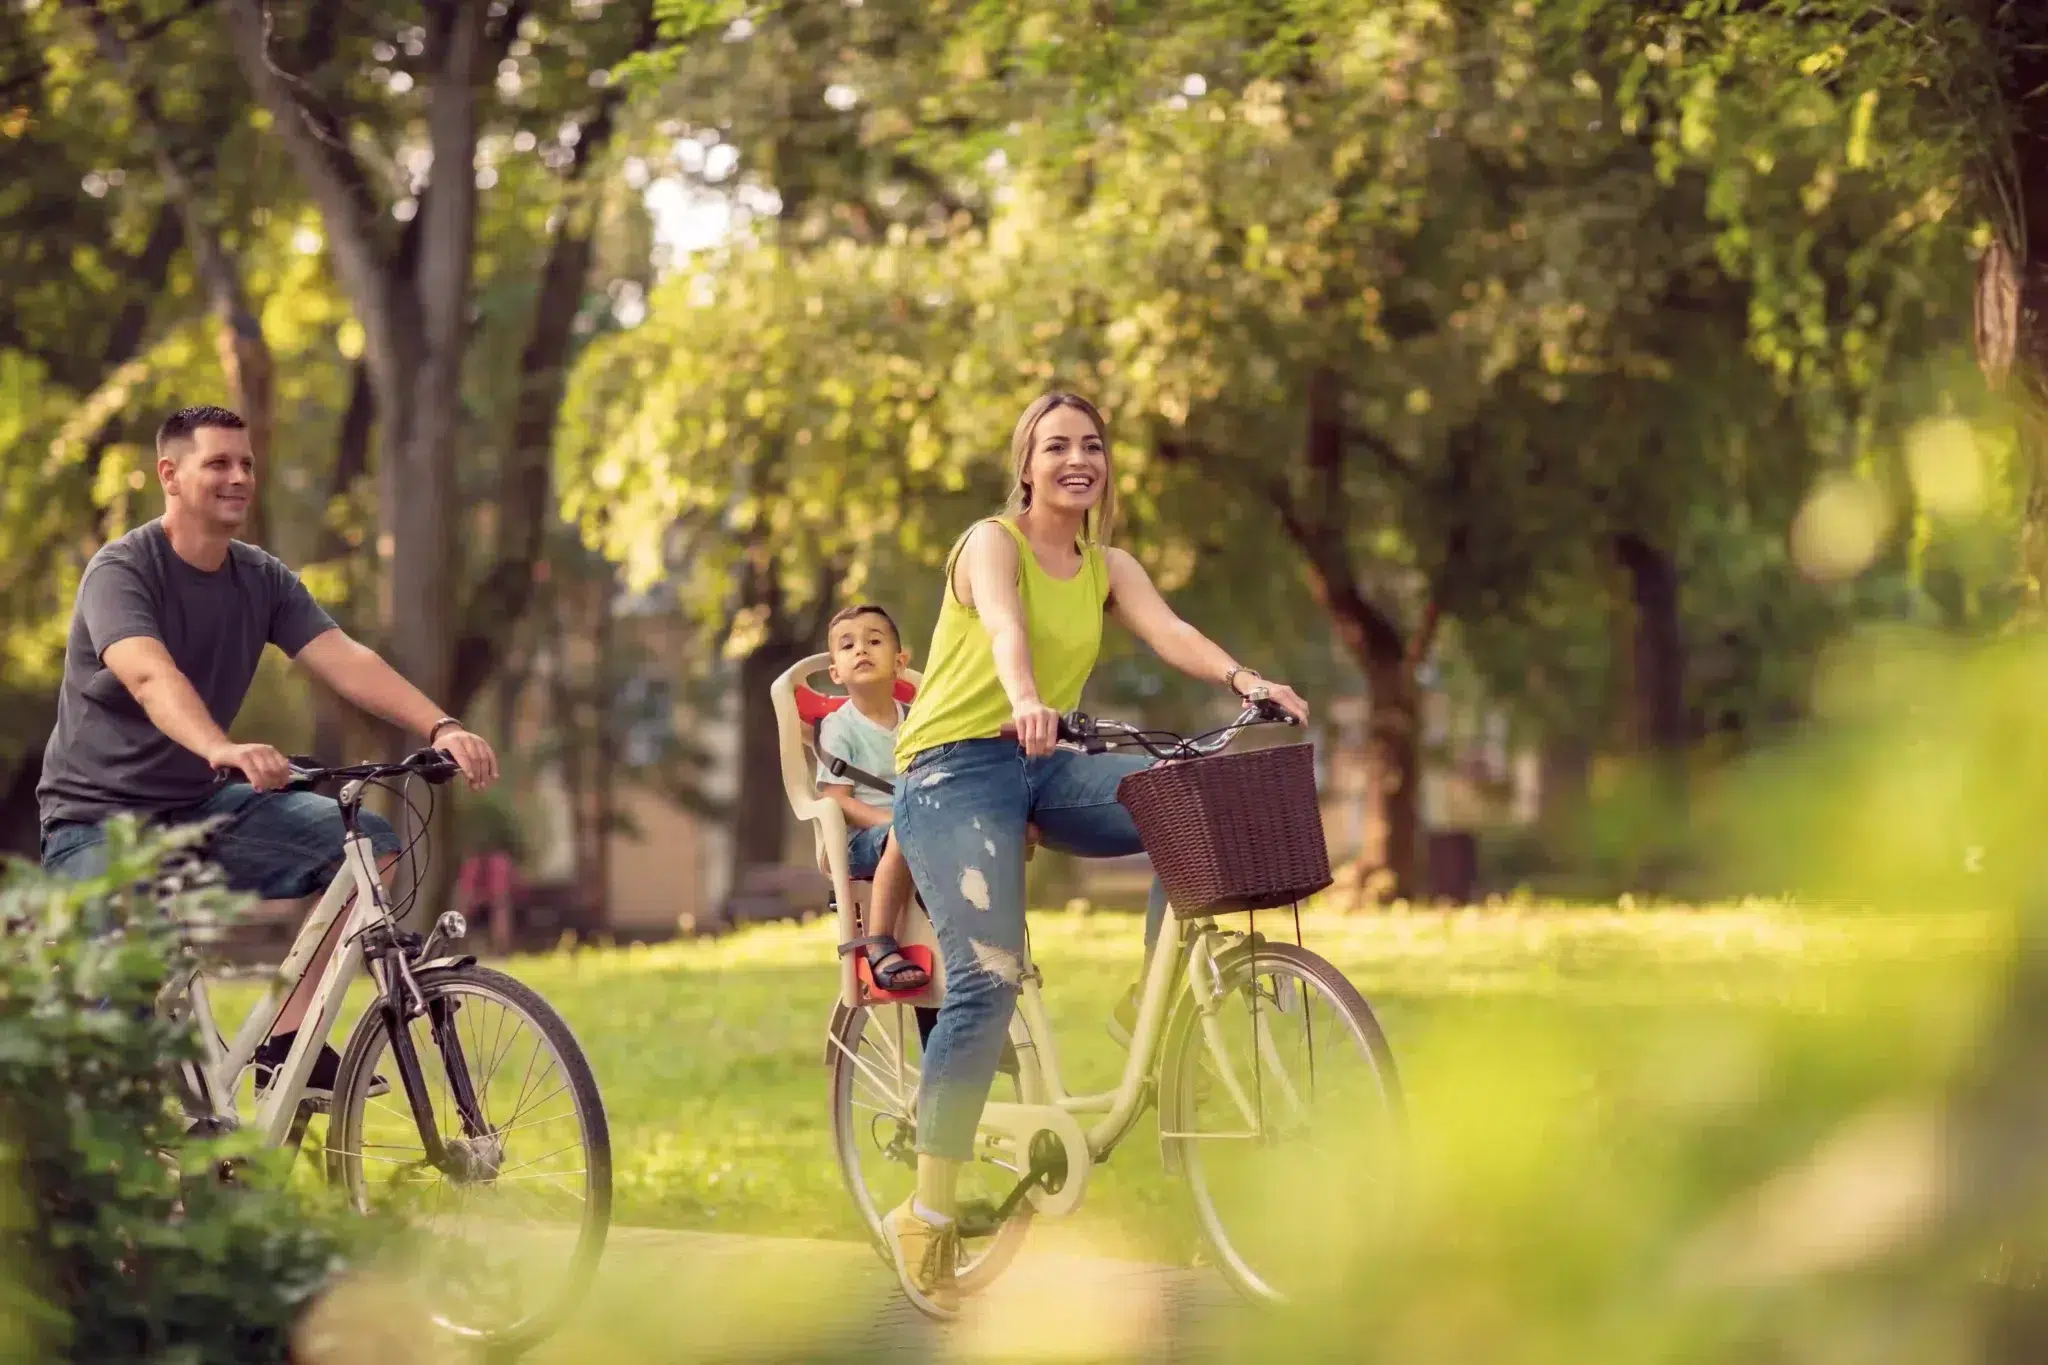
[440,725]
[1236,671]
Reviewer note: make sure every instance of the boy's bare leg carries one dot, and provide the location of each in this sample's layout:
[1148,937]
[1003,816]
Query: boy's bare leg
[892,890]
[295,1006]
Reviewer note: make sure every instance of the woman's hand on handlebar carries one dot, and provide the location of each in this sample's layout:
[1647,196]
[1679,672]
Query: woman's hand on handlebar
[1280,695]
[1037,727]
[264,767]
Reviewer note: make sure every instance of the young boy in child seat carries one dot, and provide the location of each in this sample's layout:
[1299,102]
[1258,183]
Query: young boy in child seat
[867,654]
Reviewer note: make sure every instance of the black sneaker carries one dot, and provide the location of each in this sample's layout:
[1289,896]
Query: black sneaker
[320,1082]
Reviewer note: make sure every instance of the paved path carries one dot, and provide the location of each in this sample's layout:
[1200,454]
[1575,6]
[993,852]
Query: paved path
[667,1295]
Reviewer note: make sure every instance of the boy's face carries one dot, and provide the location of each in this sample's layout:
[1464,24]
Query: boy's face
[865,651]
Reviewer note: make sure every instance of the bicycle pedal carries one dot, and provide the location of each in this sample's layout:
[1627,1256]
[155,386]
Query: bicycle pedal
[979,1218]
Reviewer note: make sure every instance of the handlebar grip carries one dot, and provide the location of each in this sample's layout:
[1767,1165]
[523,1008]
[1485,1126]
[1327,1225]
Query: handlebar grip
[435,765]
[296,775]
[1268,709]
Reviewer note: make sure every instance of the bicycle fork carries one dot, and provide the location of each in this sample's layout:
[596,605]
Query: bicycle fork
[468,1157]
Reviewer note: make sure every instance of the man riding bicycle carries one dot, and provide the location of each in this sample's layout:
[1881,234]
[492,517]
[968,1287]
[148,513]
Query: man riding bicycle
[168,627]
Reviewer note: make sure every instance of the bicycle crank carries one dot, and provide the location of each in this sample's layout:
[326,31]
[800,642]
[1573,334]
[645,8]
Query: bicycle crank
[1047,1172]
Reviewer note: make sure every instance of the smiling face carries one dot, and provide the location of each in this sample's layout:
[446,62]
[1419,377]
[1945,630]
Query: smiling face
[1062,463]
[865,650]
[1069,463]
[209,475]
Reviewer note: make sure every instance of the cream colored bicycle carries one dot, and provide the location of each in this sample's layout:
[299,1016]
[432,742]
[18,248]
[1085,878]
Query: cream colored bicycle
[1241,1042]
[493,1139]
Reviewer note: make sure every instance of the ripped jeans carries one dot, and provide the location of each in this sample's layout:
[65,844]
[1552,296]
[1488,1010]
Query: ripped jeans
[960,814]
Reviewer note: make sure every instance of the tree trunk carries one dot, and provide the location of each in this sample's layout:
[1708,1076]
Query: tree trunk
[20,813]
[760,810]
[604,745]
[1564,781]
[1393,774]
[1315,519]
[1659,730]
[245,359]
[525,501]
[2012,280]
[335,729]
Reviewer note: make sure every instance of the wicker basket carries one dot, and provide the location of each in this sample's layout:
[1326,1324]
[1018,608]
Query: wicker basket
[1240,831]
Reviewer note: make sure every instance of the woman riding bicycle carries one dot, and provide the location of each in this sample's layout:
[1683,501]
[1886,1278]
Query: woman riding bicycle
[1018,633]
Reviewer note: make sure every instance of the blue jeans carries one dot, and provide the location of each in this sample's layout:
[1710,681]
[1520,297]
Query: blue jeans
[287,845]
[961,810]
[864,851]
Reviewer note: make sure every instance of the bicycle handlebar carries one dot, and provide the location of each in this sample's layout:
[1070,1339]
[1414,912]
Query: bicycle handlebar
[435,765]
[1097,734]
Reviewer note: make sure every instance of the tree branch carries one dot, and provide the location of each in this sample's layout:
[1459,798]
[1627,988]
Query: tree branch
[447,237]
[245,355]
[1371,635]
[39,68]
[502,599]
[333,177]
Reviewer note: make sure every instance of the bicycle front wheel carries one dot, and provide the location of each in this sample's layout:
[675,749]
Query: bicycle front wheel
[1280,1107]
[510,1218]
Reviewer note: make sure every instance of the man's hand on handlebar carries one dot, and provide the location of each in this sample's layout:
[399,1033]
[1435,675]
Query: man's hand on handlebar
[266,768]
[472,754]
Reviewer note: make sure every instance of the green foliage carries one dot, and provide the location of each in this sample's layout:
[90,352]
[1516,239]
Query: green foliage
[774,404]
[122,1248]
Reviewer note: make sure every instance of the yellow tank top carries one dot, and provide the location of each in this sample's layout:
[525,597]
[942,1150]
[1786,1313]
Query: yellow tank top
[962,698]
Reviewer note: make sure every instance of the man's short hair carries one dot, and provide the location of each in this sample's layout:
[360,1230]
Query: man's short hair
[178,428]
[863,609]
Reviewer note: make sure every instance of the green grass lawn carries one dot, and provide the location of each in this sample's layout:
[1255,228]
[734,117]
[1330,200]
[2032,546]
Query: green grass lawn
[1689,1052]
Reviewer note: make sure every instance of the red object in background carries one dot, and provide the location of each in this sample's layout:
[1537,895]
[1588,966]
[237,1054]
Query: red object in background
[487,878]
[485,885]
[812,707]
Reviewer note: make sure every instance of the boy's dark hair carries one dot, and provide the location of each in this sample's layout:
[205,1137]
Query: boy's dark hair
[178,427]
[863,609]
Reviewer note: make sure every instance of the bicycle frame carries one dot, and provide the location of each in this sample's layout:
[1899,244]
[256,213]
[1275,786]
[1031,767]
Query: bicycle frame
[222,1069]
[1193,958]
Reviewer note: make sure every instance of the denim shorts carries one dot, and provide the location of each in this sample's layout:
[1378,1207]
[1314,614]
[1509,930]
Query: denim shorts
[864,851]
[285,846]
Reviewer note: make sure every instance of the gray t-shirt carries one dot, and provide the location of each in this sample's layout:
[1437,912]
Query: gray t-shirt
[106,755]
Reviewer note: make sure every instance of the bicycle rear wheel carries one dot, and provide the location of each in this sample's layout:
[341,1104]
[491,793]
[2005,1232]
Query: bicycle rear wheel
[875,1054]
[1291,1061]
[516,1212]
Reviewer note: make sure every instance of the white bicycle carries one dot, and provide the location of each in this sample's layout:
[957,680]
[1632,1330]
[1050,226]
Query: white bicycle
[1225,1043]
[483,1134]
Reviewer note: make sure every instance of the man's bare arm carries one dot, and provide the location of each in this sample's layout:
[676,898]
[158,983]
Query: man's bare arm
[360,674]
[168,698]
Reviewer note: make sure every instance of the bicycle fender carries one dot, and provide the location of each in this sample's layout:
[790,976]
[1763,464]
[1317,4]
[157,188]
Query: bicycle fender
[445,963]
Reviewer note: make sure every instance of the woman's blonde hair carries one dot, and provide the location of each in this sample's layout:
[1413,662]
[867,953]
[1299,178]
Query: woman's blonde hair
[1102,520]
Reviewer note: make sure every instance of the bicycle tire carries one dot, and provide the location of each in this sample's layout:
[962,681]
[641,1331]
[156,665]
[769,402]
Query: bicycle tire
[995,1252]
[1235,969]
[370,1040]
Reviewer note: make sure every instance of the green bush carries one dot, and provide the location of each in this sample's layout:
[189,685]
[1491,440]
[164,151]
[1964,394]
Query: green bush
[111,1255]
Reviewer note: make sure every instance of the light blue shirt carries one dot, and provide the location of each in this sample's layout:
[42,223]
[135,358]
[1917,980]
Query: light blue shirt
[849,735]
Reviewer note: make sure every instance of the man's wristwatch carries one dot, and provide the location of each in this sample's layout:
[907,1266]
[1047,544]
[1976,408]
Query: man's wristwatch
[440,725]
